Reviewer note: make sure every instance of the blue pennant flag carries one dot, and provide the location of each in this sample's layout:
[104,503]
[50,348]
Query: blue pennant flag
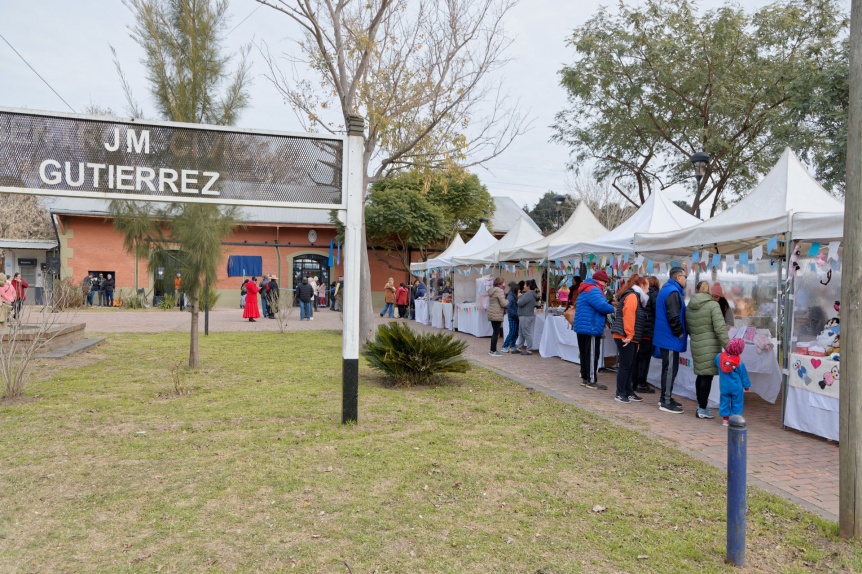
[338,259]
[331,242]
[815,249]
[649,267]
[743,258]
[716,260]
[695,257]
[772,244]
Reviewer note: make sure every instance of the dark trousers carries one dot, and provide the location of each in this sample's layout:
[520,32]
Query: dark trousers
[669,368]
[589,348]
[625,368]
[703,385]
[496,327]
[642,361]
[402,311]
[511,341]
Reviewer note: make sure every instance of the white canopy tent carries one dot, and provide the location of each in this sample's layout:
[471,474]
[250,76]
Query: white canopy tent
[456,244]
[787,195]
[582,225]
[524,232]
[477,244]
[657,215]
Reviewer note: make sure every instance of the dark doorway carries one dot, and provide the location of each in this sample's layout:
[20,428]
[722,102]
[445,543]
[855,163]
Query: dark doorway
[308,266]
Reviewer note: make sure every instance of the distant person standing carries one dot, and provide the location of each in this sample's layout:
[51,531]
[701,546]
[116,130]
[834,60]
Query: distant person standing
[732,379]
[20,296]
[321,295]
[591,312]
[264,283]
[97,287]
[389,298]
[628,328]
[496,311]
[670,335]
[644,356]
[305,294]
[251,311]
[705,325]
[511,342]
[178,292]
[402,300]
[528,300]
[87,289]
[109,290]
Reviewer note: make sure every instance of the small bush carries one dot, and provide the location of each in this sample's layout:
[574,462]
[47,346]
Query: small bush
[411,358]
[167,303]
[131,300]
[210,296]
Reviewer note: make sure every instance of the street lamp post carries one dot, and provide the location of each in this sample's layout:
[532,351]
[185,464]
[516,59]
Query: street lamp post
[700,161]
[559,199]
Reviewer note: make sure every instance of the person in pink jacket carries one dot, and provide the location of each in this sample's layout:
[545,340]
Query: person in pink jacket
[7,297]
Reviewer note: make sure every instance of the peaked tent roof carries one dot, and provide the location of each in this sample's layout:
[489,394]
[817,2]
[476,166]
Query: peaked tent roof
[658,214]
[478,243]
[507,213]
[582,225]
[523,233]
[787,190]
[456,244]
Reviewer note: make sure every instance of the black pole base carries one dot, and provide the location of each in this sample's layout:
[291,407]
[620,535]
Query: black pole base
[350,391]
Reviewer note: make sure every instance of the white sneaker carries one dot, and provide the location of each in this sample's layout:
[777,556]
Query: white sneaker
[311,318]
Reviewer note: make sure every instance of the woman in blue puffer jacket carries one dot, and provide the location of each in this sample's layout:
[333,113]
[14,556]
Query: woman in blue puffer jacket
[511,342]
[590,320]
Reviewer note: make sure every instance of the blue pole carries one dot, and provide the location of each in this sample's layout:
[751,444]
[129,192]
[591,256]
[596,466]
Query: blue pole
[736,500]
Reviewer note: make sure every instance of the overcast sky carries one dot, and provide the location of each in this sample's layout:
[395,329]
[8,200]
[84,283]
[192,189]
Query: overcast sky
[68,43]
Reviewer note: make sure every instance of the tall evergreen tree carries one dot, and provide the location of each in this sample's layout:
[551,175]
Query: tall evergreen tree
[190,81]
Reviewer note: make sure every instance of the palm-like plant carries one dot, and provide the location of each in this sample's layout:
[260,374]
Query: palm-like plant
[412,358]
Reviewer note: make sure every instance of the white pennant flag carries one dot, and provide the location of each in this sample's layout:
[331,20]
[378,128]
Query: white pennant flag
[757,253]
[833,250]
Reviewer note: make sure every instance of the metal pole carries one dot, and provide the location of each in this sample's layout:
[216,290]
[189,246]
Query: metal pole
[206,308]
[352,264]
[697,197]
[736,500]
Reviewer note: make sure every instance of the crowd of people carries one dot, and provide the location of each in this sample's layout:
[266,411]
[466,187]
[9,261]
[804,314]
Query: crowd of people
[98,291]
[646,321]
[261,299]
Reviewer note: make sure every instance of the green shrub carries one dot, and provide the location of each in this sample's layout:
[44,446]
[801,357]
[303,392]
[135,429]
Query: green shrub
[211,296]
[131,300]
[411,358]
[167,303]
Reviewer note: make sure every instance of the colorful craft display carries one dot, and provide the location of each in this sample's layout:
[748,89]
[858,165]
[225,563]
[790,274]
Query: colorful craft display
[820,375]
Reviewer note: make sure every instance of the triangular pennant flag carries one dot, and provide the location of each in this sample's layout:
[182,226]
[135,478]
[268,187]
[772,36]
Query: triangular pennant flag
[757,253]
[743,258]
[716,260]
[833,250]
[639,260]
[695,257]
[815,249]
[731,262]
[772,244]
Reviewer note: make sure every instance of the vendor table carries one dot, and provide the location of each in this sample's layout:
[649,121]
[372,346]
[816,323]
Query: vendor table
[559,340]
[422,311]
[472,319]
[812,395]
[441,315]
[763,371]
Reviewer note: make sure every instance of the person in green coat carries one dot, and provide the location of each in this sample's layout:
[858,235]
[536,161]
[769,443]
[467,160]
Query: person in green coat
[708,332]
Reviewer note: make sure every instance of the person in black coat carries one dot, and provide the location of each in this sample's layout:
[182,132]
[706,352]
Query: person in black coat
[272,297]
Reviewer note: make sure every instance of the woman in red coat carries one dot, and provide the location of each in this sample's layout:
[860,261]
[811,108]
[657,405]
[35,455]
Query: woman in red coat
[251,312]
[402,299]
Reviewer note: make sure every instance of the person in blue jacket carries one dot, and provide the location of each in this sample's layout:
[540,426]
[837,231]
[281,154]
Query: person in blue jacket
[670,335]
[511,342]
[590,318]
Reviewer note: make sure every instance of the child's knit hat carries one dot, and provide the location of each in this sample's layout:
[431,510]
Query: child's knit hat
[735,347]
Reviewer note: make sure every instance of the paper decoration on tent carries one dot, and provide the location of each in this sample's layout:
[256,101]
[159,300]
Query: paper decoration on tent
[731,262]
[833,250]
[815,249]
[743,259]
[695,257]
[716,260]
[757,253]
[772,244]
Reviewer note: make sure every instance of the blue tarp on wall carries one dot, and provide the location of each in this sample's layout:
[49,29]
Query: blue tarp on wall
[244,265]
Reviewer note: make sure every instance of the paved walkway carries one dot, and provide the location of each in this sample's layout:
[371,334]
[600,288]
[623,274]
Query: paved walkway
[797,466]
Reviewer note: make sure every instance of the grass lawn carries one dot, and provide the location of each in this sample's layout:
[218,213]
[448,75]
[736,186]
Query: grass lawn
[106,470]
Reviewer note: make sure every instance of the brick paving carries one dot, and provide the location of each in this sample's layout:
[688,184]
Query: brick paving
[795,465]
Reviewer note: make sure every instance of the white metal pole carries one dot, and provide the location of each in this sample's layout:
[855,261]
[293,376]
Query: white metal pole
[352,266]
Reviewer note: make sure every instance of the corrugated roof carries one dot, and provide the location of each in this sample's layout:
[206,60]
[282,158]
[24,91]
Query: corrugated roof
[505,217]
[37,244]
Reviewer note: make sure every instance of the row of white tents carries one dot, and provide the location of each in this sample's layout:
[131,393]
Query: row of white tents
[788,203]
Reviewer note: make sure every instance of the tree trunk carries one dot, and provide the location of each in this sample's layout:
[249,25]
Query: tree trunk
[194,360]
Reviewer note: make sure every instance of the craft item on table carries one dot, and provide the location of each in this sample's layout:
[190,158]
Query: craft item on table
[749,334]
[802,348]
[801,371]
[762,343]
[732,332]
[816,351]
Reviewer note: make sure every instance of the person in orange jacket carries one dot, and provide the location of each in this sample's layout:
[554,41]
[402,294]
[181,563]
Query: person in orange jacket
[628,326]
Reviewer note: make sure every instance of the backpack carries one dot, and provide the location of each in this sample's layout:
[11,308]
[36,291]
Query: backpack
[242,290]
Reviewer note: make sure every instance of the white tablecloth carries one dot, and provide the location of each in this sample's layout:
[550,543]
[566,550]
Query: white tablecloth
[473,319]
[810,408]
[763,370]
[812,412]
[422,311]
[559,340]
[441,315]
